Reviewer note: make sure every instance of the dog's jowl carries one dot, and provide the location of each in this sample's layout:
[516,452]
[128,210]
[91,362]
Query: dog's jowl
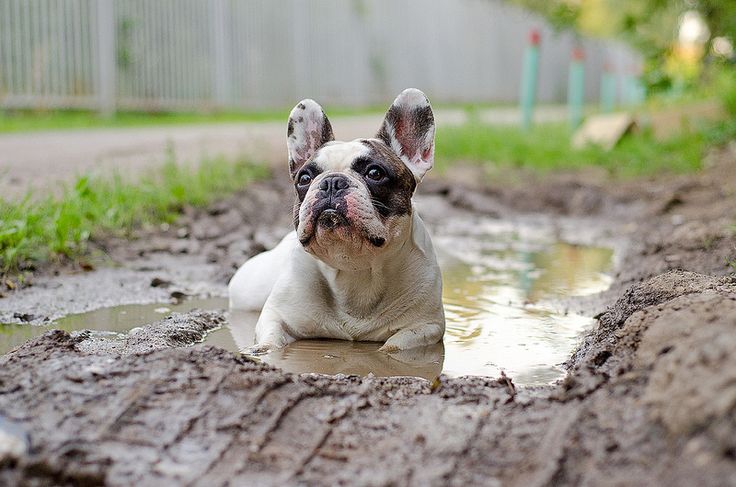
[360,264]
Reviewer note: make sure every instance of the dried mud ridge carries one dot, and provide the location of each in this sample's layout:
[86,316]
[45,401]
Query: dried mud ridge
[650,399]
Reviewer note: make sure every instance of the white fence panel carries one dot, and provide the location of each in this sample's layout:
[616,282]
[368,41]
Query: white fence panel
[259,54]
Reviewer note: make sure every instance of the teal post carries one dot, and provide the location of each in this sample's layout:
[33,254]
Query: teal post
[529,80]
[576,88]
[608,90]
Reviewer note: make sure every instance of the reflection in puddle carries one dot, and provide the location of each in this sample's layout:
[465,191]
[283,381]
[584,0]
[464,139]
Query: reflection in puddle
[338,356]
[501,284]
[361,358]
[502,289]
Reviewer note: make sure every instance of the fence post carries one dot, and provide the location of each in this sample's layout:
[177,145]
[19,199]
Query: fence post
[529,80]
[300,28]
[608,89]
[576,87]
[106,57]
[222,82]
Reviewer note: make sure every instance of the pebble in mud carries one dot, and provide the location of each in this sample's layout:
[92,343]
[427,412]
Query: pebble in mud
[159,282]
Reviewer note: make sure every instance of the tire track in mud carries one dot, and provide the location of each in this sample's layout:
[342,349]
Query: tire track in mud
[645,402]
[204,416]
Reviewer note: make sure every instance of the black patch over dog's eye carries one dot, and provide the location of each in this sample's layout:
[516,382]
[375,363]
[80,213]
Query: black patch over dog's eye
[304,179]
[375,173]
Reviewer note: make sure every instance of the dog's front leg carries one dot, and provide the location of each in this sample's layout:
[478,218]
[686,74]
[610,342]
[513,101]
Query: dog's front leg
[271,333]
[415,336]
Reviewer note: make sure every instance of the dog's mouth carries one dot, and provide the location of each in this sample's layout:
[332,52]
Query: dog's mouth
[331,219]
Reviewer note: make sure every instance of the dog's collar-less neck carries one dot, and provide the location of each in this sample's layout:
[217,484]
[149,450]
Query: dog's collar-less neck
[369,286]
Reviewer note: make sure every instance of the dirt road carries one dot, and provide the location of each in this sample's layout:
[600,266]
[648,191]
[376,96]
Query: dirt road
[41,159]
[650,399]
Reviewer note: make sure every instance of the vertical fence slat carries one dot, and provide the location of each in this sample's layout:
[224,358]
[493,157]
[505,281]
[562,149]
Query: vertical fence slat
[220,46]
[86,47]
[192,54]
[106,56]
[6,78]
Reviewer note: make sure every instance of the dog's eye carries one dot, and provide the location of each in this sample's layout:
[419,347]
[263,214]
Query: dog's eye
[375,173]
[304,179]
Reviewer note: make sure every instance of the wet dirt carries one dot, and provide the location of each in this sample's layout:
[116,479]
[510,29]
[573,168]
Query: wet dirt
[502,279]
[650,398]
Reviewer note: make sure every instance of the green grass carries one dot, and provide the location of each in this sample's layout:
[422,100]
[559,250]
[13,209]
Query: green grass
[29,120]
[547,148]
[34,231]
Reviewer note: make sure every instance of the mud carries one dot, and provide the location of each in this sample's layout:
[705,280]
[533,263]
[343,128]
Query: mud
[650,398]
[195,257]
[662,412]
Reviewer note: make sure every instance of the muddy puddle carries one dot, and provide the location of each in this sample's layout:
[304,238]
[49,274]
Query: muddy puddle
[505,286]
[505,292]
[113,322]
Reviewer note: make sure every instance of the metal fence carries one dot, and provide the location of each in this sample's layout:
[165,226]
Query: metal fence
[257,54]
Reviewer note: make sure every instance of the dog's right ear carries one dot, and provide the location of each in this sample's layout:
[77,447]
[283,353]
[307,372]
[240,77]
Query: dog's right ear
[408,130]
[308,130]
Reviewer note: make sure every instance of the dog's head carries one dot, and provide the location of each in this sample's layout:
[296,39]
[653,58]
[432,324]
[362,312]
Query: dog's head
[354,198]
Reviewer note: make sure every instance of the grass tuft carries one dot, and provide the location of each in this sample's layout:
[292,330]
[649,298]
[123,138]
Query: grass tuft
[547,148]
[34,231]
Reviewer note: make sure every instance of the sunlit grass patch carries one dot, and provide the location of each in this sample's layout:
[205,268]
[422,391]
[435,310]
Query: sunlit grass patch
[547,148]
[34,231]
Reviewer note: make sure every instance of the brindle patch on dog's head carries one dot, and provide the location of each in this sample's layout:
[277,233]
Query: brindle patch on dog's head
[392,197]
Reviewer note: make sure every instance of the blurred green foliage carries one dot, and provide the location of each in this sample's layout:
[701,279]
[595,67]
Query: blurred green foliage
[650,26]
[725,88]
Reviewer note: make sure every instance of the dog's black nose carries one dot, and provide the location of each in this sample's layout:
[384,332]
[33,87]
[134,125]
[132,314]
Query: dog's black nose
[334,184]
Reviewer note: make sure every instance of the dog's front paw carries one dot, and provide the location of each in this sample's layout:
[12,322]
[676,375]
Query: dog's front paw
[417,336]
[389,348]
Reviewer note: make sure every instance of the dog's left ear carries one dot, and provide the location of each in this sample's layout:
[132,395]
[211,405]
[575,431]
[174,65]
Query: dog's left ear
[308,130]
[408,130]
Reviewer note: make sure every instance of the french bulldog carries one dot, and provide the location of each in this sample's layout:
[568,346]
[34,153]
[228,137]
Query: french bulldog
[360,264]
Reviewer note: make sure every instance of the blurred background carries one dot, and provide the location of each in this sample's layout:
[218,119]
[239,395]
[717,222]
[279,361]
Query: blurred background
[183,55]
[251,56]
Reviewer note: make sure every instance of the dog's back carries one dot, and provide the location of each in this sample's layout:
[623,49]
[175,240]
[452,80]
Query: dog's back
[252,283]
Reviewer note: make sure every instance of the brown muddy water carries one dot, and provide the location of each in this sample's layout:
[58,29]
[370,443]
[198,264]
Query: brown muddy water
[505,285]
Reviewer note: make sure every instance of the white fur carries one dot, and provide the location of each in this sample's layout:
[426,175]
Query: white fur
[398,300]
[308,130]
[250,286]
[343,286]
